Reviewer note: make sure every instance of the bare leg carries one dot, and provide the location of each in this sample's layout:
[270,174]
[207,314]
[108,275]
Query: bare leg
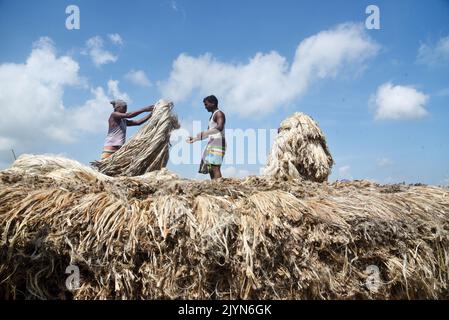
[215,173]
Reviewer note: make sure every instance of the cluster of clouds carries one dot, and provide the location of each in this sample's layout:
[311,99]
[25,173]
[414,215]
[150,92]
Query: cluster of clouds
[96,51]
[406,102]
[267,81]
[32,97]
[33,109]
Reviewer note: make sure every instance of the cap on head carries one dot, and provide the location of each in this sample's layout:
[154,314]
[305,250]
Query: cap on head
[118,103]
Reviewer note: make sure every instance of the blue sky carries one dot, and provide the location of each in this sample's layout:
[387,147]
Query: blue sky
[380,96]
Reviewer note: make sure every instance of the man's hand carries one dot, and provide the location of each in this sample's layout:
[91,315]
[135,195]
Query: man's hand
[149,108]
[190,140]
[127,115]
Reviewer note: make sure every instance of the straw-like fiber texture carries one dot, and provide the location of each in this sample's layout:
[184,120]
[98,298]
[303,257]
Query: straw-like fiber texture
[148,150]
[159,236]
[300,150]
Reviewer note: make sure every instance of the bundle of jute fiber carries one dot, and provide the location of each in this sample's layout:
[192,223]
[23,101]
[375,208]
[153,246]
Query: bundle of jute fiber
[54,165]
[299,151]
[148,150]
[160,237]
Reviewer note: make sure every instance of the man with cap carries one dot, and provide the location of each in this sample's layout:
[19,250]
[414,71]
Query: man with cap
[118,121]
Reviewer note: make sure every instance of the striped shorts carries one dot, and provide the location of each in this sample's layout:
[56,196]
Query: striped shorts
[213,154]
[107,153]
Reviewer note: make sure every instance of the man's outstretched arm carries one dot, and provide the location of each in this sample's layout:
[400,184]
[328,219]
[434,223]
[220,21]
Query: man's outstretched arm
[131,123]
[127,115]
[220,119]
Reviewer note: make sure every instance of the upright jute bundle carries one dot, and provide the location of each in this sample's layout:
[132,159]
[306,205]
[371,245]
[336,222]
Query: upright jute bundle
[148,150]
[299,151]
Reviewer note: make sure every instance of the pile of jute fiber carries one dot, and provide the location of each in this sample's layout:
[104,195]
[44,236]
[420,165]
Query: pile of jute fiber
[157,236]
[139,233]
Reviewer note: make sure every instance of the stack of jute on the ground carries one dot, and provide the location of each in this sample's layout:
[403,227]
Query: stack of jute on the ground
[148,150]
[157,236]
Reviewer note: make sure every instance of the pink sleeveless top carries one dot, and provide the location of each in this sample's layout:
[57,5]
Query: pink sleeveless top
[116,135]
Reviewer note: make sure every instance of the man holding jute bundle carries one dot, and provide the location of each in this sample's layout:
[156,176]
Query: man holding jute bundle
[216,147]
[118,122]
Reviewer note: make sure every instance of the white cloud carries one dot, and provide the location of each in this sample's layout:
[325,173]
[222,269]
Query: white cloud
[399,102]
[138,77]
[384,162]
[344,172]
[115,92]
[33,111]
[267,81]
[234,172]
[115,39]
[31,95]
[93,114]
[97,53]
[434,55]
[91,117]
